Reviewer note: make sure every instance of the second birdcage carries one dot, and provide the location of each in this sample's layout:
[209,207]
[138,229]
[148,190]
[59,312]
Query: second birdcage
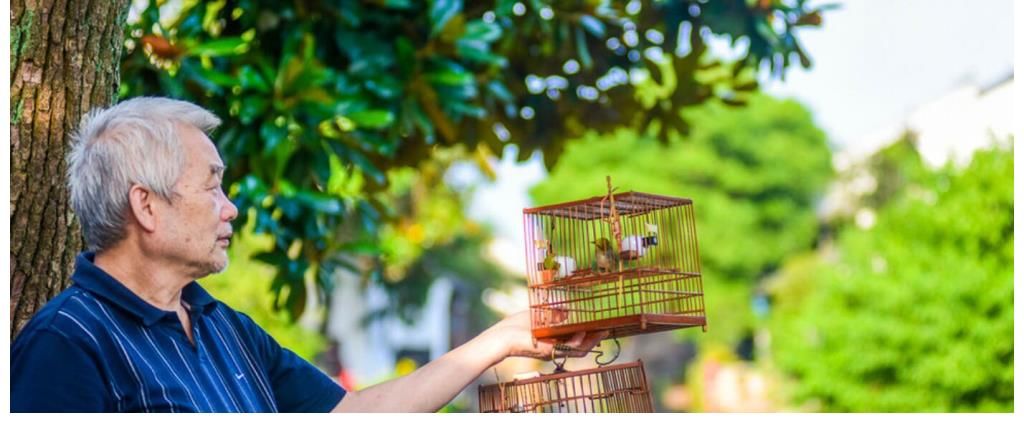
[627,263]
[615,388]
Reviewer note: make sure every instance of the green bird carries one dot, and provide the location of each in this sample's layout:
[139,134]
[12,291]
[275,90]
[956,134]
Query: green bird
[605,257]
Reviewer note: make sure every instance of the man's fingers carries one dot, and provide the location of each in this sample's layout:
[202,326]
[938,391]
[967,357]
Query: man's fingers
[593,339]
[586,340]
[581,343]
[576,339]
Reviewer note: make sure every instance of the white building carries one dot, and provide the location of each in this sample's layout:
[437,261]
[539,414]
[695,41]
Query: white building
[370,348]
[949,128]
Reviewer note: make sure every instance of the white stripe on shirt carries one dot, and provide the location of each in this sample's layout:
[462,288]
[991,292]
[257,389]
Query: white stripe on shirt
[220,376]
[117,395]
[156,376]
[149,338]
[196,380]
[238,365]
[131,365]
[263,386]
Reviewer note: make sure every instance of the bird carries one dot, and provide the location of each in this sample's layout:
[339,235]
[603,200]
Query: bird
[633,247]
[605,258]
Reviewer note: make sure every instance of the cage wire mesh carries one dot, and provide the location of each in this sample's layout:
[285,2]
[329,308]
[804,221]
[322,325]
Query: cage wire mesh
[619,388]
[585,274]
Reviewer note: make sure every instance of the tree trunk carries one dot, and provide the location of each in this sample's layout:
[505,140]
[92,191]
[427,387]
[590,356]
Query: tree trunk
[65,57]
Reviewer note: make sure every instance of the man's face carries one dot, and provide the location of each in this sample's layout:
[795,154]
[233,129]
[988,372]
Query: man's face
[195,228]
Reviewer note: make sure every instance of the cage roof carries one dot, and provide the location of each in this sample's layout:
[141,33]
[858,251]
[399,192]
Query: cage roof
[627,203]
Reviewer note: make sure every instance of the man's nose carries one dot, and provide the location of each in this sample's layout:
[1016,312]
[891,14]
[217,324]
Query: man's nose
[229,212]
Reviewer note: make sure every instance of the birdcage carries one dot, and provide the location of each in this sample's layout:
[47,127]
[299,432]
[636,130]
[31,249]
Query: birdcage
[626,262]
[615,388]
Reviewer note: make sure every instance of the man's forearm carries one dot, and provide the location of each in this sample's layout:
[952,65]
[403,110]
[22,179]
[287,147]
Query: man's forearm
[432,386]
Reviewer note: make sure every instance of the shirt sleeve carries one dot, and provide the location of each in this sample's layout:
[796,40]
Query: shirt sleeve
[50,372]
[298,385]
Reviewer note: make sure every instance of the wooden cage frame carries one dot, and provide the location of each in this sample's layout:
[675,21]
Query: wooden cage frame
[653,292]
[614,388]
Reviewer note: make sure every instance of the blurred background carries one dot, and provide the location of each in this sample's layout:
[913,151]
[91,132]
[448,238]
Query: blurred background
[850,165]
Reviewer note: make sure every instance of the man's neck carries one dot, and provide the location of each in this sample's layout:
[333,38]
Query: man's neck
[152,281]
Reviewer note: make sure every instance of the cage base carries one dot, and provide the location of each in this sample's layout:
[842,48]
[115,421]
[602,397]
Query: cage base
[624,326]
[618,388]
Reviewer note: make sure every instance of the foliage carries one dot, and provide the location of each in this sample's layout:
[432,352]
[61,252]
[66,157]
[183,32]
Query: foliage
[915,313]
[463,260]
[896,168]
[431,237]
[753,173]
[874,182]
[320,100]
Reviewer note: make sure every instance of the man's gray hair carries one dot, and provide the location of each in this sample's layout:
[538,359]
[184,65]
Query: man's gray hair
[135,142]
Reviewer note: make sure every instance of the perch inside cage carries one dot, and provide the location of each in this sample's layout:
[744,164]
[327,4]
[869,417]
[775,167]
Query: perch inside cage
[627,263]
[615,388]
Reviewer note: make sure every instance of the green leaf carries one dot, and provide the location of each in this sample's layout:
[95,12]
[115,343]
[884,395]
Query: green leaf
[220,47]
[250,79]
[354,156]
[582,50]
[451,74]
[425,126]
[479,52]
[217,77]
[385,87]
[344,123]
[276,258]
[499,90]
[362,247]
[321,202]
[296,300]
[398,4]
[272,137]
[482,31]
[406,55]
[503,8]
[470,110]
[442,11]
[593,25]
[328,130]
[252,107]
[375,119]
[367,166]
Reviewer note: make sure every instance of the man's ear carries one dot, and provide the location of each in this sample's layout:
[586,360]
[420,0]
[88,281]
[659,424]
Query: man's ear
[141,202]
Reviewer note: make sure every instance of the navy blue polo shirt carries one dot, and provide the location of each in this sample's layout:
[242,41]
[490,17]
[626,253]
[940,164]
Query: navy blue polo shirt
[98,347]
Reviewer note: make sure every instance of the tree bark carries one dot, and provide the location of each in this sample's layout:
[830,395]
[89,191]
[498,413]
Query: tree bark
[65,57]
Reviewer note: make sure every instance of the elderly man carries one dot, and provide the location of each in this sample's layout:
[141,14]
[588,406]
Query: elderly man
[134,332]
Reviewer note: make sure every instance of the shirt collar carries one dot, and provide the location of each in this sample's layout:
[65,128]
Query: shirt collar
[90,277]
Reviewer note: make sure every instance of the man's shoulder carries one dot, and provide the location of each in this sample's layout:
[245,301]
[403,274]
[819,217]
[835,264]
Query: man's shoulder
[240,323]
[71,314]
[223,312]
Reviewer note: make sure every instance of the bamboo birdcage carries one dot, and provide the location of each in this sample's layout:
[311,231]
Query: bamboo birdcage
[615,388]
[653,283]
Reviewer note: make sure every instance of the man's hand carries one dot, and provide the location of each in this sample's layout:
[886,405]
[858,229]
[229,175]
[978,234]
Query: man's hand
[514,334]
[429,388]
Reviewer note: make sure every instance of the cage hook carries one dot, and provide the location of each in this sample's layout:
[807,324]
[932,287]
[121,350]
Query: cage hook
[618,351]
[559,366]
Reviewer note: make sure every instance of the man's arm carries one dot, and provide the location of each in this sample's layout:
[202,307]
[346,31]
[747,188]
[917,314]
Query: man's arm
[432,386]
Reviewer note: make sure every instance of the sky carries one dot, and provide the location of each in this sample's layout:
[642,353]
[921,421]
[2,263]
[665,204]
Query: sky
[874,62]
